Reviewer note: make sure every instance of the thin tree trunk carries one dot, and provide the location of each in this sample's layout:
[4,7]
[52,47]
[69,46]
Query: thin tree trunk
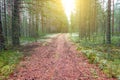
[5,22]
[108,37]
[113,19]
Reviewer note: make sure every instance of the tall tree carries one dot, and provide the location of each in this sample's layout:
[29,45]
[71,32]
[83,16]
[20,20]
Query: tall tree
[15,23]
[5,21]
[2,46]
[108,34]
[113,18]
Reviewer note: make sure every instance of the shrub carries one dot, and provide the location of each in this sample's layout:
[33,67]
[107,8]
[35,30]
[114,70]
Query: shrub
[8,61]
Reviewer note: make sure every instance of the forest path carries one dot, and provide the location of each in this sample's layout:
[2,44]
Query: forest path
[56,60]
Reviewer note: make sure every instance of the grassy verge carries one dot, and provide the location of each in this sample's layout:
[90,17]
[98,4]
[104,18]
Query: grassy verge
[27,40]
[8,61]
[107,58]
[10,58]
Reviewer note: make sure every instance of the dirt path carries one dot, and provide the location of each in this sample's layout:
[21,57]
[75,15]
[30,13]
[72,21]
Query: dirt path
[57,60]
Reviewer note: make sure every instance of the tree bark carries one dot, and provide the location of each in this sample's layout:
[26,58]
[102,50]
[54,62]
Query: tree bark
[2,44]
[108,34]
[5,22]
[15,24]
[113,19]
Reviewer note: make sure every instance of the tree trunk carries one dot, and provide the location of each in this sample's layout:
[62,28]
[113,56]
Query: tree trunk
[108,34]
[113,19]
[5,22]
[2,45]
[15,24]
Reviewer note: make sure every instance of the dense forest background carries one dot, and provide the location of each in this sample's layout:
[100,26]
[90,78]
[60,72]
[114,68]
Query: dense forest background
[97,21]
[30,19]
[94,25]
[22,19]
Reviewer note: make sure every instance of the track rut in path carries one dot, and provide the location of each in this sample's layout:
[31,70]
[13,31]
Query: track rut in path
[57,60]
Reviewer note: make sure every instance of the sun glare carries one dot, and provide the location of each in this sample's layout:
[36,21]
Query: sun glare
[68,6]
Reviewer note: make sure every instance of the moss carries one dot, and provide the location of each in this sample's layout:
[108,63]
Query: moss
[8,62]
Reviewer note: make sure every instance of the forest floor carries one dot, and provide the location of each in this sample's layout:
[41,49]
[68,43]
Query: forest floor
[56,59]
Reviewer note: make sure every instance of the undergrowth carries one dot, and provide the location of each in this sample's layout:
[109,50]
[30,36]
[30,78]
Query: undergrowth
[8,61]
[42,37]
[106,57]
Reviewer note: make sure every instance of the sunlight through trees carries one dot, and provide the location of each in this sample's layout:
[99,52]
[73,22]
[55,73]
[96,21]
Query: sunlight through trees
[69,7]
[94,24]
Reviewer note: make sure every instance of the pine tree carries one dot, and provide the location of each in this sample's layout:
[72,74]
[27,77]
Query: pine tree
[2,46]
[15,23]
[108,34]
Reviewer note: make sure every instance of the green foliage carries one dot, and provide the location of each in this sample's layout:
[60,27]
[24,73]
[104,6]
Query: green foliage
[25,40]
[8,61]
[110,66]
[5,70]
[1,64]
[113,68]
[116,40]
[106,57]
[102,64]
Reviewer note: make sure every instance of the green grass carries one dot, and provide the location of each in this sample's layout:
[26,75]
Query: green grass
[106,57]
[26,40]
[8,61]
